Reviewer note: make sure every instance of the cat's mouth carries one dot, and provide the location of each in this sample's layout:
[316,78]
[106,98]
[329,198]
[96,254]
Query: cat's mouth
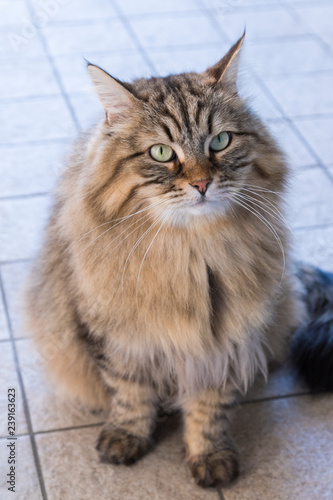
[204,206]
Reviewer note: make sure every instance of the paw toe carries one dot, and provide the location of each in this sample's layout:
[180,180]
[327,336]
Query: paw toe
[117,446]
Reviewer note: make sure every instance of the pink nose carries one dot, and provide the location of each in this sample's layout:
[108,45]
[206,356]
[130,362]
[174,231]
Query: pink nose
[201,186]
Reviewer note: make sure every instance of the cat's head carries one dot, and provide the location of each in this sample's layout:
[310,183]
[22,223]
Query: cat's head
[185,143]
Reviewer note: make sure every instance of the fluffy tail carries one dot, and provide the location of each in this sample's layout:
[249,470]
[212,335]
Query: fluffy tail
[312,345]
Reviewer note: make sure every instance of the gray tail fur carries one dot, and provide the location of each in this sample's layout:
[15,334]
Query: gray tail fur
[312,345]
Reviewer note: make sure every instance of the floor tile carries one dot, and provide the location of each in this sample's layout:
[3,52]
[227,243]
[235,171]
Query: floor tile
[77,10]
[193,29]
[281,382]
[317,18]
[14,276]
[286,57]
[318,132]
[48,409]
[126,66]
[13,16]
[31,169]
[9,379]
[298,154]
[133,8]
[27,79]
[20,43]
[173,60]
[27,486]
[257,98]
[21,223]
[286,449]
[161,475]
[35,120]
[238,5]
[328,39]
[260,24]
[82,39]
[310,198]
[302,95]
[88,108]
[4,333]
[315,246]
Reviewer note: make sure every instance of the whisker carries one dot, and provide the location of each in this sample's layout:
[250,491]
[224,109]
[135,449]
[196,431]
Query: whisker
[253,191]
[124,231]
[270,211]
[122,218]
[259,188]
[109,229]
[268,225]
[145,255]
[274,208]
[135,246]
[127,236]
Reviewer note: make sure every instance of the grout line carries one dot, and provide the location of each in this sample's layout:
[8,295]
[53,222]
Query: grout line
[278,398]
[23,196]
[25,434]
[318,226]
[16,261]
[39,142]
[133,35]
[267,92]
[60,429]
[220,493]
[73,428]
[55,72]
[297,16]
[23,393]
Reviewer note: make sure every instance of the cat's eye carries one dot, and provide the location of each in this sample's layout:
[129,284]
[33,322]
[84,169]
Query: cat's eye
[161,152]
[220,142]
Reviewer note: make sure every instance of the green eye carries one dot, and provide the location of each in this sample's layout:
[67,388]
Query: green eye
[220,142]
[161,152]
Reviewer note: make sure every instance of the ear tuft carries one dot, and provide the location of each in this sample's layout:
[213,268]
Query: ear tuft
[116,99]
[226,69]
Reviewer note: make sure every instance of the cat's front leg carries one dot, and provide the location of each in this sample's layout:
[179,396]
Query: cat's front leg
[211,454]
[126,436]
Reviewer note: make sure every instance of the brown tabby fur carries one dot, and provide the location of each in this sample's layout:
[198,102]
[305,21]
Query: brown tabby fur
[189,313]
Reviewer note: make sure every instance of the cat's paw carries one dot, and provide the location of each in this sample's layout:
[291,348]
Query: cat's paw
[215,469]
[117,446]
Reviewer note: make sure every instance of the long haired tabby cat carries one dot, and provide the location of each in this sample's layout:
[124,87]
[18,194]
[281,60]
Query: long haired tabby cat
[165,275]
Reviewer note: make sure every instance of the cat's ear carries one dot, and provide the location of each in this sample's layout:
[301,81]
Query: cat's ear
[226,69]
[117,100]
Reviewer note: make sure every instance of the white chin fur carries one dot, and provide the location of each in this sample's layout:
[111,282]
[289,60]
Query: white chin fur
[186,214]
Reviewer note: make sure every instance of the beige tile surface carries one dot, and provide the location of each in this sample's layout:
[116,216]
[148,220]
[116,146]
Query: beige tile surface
[21,226]
[286,443]
[281,382]
[161,475]
[315,246]
[27,486]
[306,207]
[13,276]
[286,448]
[48,409]
[9,379]
[298,153]
[4,333]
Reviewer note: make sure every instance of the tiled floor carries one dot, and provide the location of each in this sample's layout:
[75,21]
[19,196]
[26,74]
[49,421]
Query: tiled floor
[284,434]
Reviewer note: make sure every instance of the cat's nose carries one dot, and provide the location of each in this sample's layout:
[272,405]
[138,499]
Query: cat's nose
[201,186]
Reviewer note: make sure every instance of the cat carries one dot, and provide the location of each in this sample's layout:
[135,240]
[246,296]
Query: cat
[165,277]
